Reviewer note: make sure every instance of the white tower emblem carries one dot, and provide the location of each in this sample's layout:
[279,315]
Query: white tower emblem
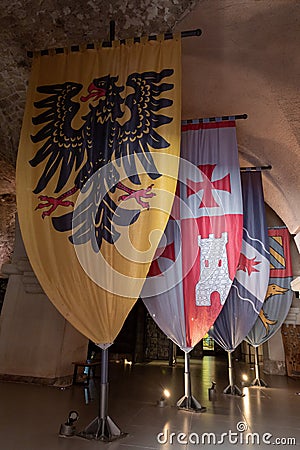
[214,276]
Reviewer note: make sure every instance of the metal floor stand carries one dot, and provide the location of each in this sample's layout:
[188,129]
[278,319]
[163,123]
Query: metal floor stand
[188,402]
[232,389]
[257,380]
[103,428]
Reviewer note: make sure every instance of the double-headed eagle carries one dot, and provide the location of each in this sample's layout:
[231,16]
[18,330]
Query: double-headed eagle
[116,132]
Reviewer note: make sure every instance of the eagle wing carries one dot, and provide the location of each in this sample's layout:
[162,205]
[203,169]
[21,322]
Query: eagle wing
[140,133]
[63,147]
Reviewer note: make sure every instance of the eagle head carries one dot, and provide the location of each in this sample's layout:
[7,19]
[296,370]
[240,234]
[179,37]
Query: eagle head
[95,92]
[102,87]
[274,289]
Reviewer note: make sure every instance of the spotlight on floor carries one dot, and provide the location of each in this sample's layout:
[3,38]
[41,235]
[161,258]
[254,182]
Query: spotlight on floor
[163,399]
[244,379]
[68,428]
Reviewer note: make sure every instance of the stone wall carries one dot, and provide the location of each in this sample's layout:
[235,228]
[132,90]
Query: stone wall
[7,227]
[157,343]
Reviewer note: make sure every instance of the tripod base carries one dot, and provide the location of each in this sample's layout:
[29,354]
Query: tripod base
[102,429]
[189,403]
[232,389]
[258,382]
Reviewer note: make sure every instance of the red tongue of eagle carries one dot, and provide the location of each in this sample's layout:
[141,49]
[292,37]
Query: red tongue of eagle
[93,91]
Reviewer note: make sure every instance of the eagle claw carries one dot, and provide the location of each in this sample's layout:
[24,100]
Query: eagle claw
[53,203]
[137,195]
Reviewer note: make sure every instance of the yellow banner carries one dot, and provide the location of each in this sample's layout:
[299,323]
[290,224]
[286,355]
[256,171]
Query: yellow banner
[96,174]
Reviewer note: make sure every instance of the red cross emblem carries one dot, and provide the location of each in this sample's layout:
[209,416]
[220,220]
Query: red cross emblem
[169,252]
[208,186]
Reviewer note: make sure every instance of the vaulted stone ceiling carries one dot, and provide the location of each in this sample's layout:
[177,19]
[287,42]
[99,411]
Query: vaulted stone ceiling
[247,60]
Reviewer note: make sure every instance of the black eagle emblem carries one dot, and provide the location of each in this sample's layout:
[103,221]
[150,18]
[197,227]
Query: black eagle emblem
[107,139]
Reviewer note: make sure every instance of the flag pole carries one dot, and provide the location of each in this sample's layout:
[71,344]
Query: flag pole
[188,401]
[103,428]
[215,119]
[253,169]
[257,380]
[232,389]
[92,45]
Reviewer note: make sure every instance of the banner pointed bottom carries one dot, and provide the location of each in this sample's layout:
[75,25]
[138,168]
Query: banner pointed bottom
[189,403]
[102,429]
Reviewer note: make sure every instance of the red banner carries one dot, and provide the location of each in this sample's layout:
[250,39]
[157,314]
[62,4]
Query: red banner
[206,234]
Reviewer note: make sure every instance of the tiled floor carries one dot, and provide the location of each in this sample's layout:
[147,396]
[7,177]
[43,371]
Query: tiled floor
[30,415]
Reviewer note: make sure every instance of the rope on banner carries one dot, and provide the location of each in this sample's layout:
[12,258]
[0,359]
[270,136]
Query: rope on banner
[91,46]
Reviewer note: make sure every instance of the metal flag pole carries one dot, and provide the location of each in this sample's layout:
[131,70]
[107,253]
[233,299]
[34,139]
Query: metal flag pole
[215,119]
[257,380]
[253,169]
[188,402]
[92,45]
[103,427]
[232,389]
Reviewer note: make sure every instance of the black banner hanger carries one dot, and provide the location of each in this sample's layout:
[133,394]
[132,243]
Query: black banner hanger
[252,169]
[76,48]
[215,119]
[168,35]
